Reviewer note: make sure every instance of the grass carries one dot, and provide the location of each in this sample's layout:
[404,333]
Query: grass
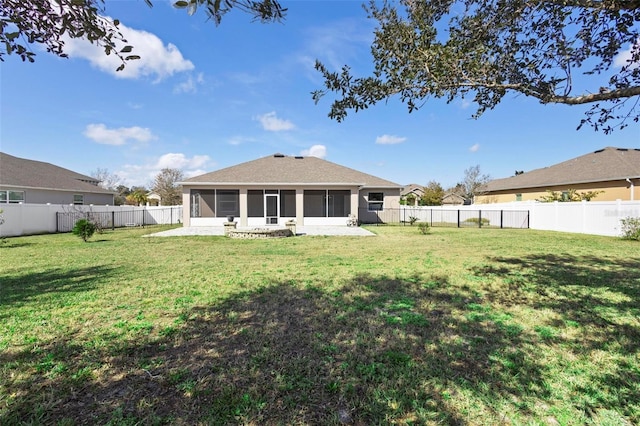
[462,326]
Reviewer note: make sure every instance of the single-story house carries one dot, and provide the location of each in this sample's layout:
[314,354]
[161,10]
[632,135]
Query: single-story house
[453,199]
[37,182]
[275,189]
[412,191]
[613,172]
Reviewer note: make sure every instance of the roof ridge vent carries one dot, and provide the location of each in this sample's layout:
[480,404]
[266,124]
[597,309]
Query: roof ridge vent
[600,150]
[622,149]
[278,155]
[298,157]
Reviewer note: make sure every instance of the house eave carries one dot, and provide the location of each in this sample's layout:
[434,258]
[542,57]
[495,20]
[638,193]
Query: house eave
[271,184]
[546,185]
[43,188]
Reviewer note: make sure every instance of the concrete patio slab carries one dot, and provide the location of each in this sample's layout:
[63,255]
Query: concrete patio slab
[300,231]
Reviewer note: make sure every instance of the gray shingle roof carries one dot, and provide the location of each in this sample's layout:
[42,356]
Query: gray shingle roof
[603,165]
[281,169]
[23,173]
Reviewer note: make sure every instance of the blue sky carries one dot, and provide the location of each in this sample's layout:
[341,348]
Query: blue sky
[206,97]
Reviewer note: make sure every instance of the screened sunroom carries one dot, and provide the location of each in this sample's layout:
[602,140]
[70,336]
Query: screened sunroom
[276,189]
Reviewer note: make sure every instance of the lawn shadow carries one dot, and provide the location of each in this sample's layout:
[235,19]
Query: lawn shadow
[378,350]
[25,287]
[592,305]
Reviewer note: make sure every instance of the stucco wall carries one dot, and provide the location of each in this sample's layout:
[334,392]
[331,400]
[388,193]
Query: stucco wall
[619,190]
[41,196]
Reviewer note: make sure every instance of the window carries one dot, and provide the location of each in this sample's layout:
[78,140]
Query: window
[255,203]
[339,203]
[375,201]
[78,199]
[287,203]
[227,202]
[13,197]
[315,203]
[195,203]
[518,197]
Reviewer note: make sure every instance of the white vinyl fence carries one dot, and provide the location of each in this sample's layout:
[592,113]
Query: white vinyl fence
[586,217]
[30,219]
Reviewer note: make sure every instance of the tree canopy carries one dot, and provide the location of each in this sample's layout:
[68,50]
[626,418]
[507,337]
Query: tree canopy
[49,22]
[433,194]
[166,186]
[473,183]
[569,52]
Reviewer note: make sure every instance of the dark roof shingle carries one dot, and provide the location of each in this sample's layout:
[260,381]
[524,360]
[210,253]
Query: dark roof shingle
[603,165]
[281,169]
[23,173]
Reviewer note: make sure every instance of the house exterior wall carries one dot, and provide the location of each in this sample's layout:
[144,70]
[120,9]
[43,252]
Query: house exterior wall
[43,196]
[615,190]
[392,198]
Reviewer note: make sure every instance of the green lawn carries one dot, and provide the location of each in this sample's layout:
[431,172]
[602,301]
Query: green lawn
[462,326]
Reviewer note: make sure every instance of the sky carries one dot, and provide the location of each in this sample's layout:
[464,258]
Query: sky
[204,97]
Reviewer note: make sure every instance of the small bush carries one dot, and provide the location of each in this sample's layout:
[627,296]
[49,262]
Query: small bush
[412,220]
[84,229]
[485,221]
[424,228]
[630,228]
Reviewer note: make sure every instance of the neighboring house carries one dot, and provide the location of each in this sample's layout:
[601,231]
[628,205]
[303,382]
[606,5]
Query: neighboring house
[272,190]
[414,190]
[37,182]
[453,199]
[153,199]
[614,171]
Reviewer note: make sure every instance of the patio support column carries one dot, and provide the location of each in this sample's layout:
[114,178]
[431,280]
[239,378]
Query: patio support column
[244,211]
[186,210]
[355,199]
[300,206]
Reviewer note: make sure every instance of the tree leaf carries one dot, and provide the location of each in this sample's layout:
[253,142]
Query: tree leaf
[126,49]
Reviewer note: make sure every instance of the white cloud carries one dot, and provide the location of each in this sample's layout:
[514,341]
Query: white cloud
[389,140]
[272,123]
[474,147]
[181,161]
[101,134]
[319,151]
[623,58]
[190,85]
[239,140]
[144,174]
[157,59]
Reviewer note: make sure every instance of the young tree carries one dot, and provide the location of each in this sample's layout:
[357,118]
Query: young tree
[165,185]
[107,180]
[474,183]
[484,49]
[433,194]
[137,196]
[47,23]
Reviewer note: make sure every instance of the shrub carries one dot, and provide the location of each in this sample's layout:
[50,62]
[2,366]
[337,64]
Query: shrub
[412,220]
[84,229]
[630,228]
[424,228]
[485,221]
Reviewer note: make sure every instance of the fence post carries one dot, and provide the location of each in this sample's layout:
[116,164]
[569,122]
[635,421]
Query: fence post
[501,218]
[57,222]
[458,218]
[479,218]
[113,220]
